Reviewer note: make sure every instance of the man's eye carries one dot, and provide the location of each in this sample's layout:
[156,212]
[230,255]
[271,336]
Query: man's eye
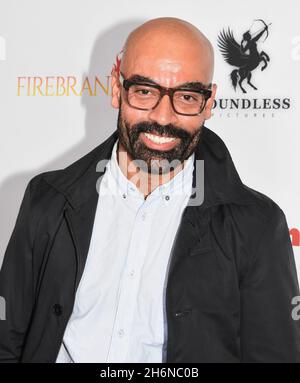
[143,91]
[187,97]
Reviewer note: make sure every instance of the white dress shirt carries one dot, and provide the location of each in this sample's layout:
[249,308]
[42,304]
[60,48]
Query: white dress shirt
[119,310]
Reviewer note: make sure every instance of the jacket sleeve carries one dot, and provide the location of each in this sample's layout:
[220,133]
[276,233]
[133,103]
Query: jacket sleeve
[268,331]
[16,284]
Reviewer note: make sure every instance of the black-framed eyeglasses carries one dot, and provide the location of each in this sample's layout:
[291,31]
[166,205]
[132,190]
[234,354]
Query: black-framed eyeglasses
[185,101]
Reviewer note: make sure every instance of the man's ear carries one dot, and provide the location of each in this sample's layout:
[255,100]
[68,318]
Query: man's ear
[115,89]
[210,102]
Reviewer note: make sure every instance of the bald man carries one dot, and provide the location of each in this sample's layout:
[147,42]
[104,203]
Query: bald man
[150,248]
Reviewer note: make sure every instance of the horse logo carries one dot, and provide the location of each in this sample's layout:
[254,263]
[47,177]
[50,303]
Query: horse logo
[245,56]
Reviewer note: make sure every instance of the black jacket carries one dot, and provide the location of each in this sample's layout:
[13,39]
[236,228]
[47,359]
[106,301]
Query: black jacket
[231,279]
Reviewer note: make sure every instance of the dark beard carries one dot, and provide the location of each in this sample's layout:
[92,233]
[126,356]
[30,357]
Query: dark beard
[151,160]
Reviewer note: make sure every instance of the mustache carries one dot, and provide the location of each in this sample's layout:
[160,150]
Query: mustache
[152,127]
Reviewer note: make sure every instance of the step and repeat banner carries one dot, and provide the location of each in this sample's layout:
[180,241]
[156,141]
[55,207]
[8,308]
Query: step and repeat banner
[55,64]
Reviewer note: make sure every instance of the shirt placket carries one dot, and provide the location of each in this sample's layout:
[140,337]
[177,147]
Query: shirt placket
[130,283]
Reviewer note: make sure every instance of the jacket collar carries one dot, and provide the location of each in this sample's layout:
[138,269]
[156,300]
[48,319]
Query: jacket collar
[222,184]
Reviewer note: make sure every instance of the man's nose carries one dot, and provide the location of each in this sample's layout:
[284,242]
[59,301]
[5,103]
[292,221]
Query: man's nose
[164,113]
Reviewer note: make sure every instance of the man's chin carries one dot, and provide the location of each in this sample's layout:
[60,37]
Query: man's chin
[156,164]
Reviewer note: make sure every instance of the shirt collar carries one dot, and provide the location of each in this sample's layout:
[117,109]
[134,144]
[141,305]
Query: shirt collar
[181,183]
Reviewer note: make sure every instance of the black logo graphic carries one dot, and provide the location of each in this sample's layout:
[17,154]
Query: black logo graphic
[245,55]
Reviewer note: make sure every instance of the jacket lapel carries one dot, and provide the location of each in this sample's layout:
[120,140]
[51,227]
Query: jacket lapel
[79,183]
[80,224]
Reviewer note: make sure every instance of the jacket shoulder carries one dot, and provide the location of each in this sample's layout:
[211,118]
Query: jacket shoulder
[254,217]
[61,180]
[263,204]
[64,178]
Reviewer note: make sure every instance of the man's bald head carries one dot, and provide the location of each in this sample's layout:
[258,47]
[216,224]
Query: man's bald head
[169,37]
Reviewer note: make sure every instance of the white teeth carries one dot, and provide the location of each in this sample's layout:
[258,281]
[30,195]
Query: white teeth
[159,139]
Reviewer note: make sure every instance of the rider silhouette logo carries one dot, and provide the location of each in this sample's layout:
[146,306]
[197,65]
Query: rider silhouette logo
[245,56]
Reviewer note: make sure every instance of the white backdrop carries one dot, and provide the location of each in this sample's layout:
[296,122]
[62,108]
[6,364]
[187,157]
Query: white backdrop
[51,43]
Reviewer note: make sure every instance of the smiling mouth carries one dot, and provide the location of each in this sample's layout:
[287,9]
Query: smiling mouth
[159,142]
[159,139]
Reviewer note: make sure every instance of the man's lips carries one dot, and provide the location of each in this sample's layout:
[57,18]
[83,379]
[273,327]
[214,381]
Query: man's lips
[159,145]
[155,133]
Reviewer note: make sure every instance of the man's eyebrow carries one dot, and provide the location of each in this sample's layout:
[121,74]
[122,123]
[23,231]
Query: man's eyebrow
[187,85]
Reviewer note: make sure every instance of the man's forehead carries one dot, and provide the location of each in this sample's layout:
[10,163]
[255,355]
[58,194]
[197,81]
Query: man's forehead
[167,71]
[192,85]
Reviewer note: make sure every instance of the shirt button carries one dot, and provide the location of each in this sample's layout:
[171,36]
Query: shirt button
[124,195]
[57,309]
[132,272]
[167,197]
[121,333]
